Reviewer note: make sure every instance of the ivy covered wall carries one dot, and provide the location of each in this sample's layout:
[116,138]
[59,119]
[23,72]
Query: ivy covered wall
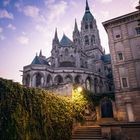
[35,114]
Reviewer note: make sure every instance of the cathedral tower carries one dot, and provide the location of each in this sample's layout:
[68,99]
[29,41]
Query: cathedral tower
[90,34]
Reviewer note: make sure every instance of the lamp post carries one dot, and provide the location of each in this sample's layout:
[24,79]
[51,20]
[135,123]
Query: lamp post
[79,89]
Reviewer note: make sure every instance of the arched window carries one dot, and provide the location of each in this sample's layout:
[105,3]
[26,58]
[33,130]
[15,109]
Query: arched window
[92,39]
[86,26]
[88,83]
[91,25]
[38,80]
[66,52]
[58,79]
[86,40]
[68,79]
[49,80]
[27,80]
[78,79]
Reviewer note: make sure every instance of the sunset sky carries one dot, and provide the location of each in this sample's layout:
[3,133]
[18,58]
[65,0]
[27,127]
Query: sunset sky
[26,26]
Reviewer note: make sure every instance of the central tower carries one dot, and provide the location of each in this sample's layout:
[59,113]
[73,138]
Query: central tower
[90,35]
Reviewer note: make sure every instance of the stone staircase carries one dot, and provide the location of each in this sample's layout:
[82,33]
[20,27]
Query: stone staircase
[88,133]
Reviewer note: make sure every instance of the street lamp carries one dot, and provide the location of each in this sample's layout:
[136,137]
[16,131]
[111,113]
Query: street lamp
[79,89]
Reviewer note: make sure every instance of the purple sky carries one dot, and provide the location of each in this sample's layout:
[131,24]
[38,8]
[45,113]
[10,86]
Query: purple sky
[26,26]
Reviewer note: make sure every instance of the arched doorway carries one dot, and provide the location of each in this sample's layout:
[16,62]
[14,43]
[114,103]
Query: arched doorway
[106,108]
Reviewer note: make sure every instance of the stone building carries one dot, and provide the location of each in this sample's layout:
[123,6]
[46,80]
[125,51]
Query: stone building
[81,61]
[124,42]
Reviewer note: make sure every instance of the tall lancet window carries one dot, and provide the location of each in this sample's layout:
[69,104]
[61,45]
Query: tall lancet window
[86,40]
[91,25]
[86,26]
[92,39]
[38,80]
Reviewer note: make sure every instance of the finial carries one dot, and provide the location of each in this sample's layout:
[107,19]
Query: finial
[40,54]
[138,7]
[87,7]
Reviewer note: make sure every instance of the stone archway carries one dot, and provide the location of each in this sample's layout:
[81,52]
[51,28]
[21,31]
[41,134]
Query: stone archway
[58,79]
[68,79]
[38,79]
[106,108]
[27,80]
[88,83]
[78,79]
[49,80]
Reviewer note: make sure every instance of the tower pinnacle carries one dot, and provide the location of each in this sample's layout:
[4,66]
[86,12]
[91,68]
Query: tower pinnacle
[75,27]
[56,37]
[40,54]
[87,7]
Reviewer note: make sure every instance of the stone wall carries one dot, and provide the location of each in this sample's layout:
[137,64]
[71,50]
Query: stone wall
[121,131]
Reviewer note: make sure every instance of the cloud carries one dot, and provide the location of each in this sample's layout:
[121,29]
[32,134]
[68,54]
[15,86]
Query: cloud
[134,3]
[40,28]
[1,29]
[31,11]
[5,14]
[11,26]
[23,40]
[106,1]
[57,10]
[6,2]
[105,14]
[47,2]
[2,37]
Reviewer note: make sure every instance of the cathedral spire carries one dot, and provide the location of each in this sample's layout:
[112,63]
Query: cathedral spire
[75,27]
[87,7]
[55,36]
[40,54]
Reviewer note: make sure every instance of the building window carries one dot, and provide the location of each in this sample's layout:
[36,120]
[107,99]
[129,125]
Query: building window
[88,84]
[86,40]
[138,30]
[124,82]
[91,25]
[86,26]
[92,39]
[120,56]
[118,36]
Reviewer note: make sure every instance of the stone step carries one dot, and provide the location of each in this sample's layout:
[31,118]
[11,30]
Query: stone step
[87,133]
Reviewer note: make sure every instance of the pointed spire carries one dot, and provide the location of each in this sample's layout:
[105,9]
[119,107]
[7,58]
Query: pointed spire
[40,54]
[56,37]
[87,7]
[75,27]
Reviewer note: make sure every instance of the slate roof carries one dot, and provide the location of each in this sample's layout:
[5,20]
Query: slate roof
[65,41]
[39,61]
[106,58]
[88,16]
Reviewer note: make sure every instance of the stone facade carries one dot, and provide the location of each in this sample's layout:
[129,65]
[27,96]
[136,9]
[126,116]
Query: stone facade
[81,61]
[124,42]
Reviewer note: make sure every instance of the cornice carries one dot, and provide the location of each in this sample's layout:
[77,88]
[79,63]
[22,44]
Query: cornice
[121,19]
